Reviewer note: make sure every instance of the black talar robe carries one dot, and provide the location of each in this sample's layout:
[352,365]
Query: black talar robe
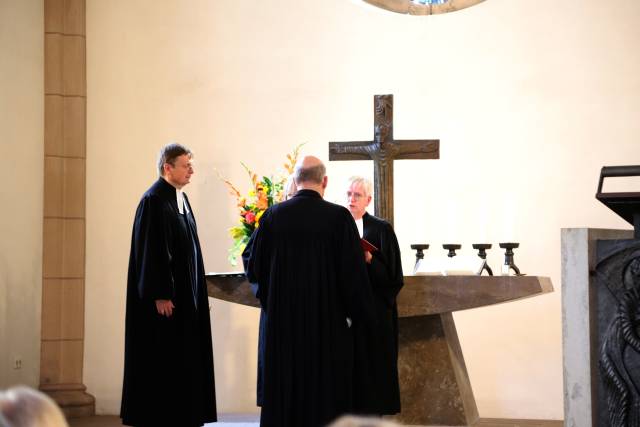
[307,261]
[168,363]
[377,389]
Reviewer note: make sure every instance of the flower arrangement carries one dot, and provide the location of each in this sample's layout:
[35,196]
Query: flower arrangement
[264,193]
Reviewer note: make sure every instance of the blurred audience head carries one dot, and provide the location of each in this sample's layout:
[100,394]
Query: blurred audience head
[25,407]
[351,421]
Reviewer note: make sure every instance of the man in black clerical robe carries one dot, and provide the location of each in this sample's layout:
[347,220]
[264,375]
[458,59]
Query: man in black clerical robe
[377,390]
[168,363]
[306,259]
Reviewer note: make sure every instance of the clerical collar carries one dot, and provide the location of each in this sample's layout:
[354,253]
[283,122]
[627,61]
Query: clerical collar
[307,193]
[182,204]
[360,225]
[180,201]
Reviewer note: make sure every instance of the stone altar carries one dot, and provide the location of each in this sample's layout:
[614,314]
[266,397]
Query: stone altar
[434,384]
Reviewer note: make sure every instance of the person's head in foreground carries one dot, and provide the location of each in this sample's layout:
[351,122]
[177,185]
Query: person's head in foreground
[25,407]
[351,421]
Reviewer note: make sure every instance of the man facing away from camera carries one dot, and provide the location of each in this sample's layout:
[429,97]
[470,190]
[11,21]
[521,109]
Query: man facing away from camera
[312,282]
[168,363]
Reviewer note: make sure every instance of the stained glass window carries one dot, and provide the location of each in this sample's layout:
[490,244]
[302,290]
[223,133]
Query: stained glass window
[423,7]
[429,1]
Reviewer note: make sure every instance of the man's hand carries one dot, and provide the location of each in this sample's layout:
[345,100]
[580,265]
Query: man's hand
[368,257]
[165,307]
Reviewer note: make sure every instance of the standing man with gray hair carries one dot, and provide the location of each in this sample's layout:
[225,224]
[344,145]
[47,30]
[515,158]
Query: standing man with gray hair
[168,360]
[312,283]
[377,390]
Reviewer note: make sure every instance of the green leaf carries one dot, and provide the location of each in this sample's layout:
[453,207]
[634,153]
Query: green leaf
[236,250]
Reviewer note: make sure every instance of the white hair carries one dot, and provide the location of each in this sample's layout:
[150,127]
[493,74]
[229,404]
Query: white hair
[360,180]
[290,188]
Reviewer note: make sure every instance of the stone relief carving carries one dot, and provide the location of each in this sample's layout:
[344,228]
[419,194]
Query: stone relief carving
[619,362]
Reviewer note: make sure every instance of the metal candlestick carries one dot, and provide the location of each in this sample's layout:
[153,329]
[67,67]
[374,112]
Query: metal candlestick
[482,247]
[508,259]
[451,247]
[419,248]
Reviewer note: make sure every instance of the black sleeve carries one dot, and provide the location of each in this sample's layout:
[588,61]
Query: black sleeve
[385,270]
[152,250]
[352,272]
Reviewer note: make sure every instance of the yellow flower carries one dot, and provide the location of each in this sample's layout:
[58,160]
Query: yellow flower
[258,218]
[236,232]
[264,192]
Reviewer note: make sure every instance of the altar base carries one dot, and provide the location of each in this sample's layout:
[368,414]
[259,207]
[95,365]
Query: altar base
[434,384]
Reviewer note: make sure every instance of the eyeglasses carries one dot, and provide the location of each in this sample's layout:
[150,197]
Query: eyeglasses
[355,196]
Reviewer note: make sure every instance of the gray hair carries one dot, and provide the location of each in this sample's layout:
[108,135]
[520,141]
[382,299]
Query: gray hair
[360,180]
[290,188]
[25,407]
[314,174]
[169,153]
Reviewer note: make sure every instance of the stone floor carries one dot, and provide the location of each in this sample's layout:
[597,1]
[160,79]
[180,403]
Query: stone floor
[232,420]
[226,420]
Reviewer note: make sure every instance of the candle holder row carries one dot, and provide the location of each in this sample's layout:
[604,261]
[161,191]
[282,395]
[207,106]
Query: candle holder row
[482,248]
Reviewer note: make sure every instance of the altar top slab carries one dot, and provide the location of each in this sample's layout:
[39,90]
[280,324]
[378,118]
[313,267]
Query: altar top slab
[423,295]
[420,296]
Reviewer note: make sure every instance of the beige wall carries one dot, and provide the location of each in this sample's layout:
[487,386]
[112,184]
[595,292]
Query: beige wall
[21,140]
[529,100]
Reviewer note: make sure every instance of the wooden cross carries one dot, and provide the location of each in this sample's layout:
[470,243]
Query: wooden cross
[383,150]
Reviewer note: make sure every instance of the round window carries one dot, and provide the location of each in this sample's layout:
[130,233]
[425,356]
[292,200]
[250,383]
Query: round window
[423,7]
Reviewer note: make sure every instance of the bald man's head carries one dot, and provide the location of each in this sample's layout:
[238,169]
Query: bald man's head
[309,169]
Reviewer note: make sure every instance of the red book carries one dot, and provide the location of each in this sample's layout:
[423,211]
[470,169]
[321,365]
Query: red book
[367,245]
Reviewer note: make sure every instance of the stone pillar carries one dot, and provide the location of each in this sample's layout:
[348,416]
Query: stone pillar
[64,207]
[578,294]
